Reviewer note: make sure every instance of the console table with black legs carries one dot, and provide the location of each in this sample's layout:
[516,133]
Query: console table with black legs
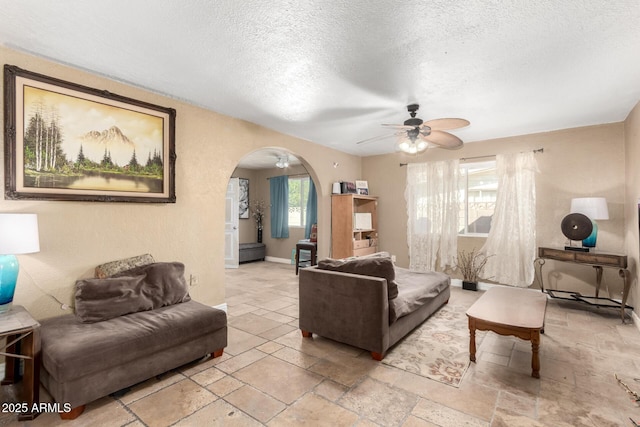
[598,261]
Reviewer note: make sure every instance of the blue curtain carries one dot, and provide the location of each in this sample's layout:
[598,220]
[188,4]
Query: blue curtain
[279,193]
[312,209]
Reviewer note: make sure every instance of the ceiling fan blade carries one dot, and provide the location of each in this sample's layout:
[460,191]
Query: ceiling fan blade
[446,124]
[375,138]
[398,126]
[443,139]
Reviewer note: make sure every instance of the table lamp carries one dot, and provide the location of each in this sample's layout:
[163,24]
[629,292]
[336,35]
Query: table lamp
[18,235]
[595,208]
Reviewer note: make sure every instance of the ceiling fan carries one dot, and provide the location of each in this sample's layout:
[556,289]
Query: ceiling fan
[416,135]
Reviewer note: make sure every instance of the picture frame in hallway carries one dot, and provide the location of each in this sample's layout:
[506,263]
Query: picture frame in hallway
[68,142]
[243,199]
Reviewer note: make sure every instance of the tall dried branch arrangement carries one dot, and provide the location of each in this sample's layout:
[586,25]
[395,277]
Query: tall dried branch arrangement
[258,209]
[471,264]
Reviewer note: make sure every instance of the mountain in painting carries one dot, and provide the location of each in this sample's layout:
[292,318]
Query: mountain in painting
[119,146]
[109,137]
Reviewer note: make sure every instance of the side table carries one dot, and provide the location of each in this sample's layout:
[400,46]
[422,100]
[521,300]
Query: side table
[312,247]
[597,260]
[22,334]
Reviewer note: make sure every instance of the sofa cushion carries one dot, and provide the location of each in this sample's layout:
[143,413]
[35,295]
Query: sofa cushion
[143,288]
[366,266]
[415,289]
[114,267]
[72,349]
[383,254]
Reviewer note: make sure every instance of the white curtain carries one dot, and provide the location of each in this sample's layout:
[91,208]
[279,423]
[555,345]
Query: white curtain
[432,196]
[511,243]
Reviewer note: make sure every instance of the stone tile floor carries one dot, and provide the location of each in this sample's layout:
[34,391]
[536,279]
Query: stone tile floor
[270,375]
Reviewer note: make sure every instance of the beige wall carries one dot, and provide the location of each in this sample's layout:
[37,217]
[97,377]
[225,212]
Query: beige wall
[76,236]
[579,162]
[632,163]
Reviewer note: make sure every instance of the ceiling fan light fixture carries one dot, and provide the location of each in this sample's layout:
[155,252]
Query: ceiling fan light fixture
[412,145]
[283,162]
[414,132]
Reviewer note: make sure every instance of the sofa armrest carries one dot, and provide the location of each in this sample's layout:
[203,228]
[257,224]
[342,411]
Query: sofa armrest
[348,308]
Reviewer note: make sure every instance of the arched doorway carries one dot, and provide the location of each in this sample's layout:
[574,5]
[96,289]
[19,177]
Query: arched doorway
[254,172]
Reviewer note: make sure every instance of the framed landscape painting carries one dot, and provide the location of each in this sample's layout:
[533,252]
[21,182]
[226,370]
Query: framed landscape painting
[65,141]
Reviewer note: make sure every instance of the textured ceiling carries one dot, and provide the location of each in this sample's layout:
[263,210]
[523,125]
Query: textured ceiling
[332,71]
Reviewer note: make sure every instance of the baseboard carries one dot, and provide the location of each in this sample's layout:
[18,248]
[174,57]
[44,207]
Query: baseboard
[482,286]
[222,307]
[278,260]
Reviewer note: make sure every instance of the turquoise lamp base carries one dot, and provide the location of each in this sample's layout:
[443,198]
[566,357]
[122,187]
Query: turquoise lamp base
[590,242]
[8,277]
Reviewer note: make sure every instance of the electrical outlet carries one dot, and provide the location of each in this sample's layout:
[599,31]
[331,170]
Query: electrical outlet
[193,280]
[393,258]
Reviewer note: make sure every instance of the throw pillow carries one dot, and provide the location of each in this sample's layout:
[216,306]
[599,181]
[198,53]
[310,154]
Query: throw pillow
[114,267]
[366,266]
[143,288]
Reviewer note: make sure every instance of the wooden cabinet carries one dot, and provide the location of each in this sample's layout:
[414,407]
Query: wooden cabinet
[354,225]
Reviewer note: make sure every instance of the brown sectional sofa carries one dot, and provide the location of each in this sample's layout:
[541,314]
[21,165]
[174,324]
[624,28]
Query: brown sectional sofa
[367,302]
[129,326]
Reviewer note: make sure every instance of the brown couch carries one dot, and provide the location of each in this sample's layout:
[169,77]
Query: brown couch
[128,327]
[367,302]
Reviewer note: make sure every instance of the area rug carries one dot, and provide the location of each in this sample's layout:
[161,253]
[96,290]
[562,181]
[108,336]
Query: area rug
[438,349]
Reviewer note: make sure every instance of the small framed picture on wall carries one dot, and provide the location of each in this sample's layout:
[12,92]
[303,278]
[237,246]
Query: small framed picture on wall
[243,200]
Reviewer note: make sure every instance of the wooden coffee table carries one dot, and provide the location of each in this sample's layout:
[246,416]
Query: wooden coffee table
[510,311]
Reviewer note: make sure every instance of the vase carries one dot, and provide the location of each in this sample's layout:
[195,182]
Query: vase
[8,279]
[469,286]
[259,234]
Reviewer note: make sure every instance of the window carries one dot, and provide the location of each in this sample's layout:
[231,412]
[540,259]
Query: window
[298,194]
[479,186]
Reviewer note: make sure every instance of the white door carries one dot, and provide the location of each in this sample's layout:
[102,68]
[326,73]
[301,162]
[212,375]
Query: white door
[231,232]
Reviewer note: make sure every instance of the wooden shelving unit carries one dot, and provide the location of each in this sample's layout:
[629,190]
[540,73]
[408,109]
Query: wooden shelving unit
[346,240]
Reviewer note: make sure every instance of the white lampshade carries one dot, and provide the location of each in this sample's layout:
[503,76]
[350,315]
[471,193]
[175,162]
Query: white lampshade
[593,207]
[19,234]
